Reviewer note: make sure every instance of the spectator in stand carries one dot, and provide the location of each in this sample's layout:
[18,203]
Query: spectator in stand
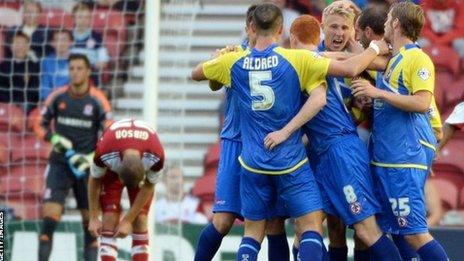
[176,206]
[454,122]
[38,34]
[19,76]
[55,67]
[87,41]
[289,15]
[443,25]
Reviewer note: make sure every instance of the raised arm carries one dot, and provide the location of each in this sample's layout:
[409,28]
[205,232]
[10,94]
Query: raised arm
[358,63]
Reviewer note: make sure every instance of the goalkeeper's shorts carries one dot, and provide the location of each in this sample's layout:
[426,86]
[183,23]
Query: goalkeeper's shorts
[59,179]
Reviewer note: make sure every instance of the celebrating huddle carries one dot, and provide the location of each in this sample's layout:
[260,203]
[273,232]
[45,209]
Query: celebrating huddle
[290,146]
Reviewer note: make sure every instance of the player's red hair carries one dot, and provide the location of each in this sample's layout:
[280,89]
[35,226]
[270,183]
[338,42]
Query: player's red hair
[306,29]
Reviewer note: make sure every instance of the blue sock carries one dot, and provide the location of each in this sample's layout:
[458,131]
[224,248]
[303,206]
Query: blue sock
[208,243]
[338,253]
[384,249]
[278,248]
[311,246]
[248,250]
[406,251]
[432,251]
[295,253]
[361,255]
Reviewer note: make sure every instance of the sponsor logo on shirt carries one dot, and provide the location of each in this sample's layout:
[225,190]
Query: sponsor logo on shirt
[88,109]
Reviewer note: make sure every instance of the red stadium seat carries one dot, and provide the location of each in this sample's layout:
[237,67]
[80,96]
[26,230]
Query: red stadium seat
[449,172]
[452,154]
[204,187]
[448,193]
[461,198]
[55,17]
[23,181]
[212,156]
[445,57]
[11,118]
[10,17]
[26,208]
[113,27]
[30,149]
[442,80]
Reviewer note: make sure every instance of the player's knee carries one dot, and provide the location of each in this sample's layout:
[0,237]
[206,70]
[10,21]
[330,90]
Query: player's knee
[368,231]
[140,223]
[223,222]
[52,210]
[311,221]
[418,240]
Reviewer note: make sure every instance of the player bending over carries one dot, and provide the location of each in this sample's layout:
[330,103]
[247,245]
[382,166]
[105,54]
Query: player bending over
[129,154]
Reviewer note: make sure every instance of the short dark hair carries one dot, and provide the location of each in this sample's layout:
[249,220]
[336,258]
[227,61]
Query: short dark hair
[79,56]
[63,31]
[411,18]
[20,34]
[267,18]
[249,14]
[374,17]
[81,6]
[132,171]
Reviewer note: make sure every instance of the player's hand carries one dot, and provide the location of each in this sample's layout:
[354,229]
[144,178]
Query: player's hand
[95,227]
[384,49]
[275,138]
[60,143]
[361,88]
[79,163]
[123,229]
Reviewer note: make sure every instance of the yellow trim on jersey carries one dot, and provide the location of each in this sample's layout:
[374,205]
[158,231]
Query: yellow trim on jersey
[416,70]
[428,145]
[218,69]
[393,165]
[272,172]
[310,67]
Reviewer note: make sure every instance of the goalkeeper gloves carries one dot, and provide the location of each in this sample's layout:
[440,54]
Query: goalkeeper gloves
[60,143]
[79,163]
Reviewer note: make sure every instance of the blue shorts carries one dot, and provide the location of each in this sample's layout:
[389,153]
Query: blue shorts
[260,194]
[227,197]
[401,195]
[345,181]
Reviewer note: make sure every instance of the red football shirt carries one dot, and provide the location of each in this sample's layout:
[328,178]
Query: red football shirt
[123,135]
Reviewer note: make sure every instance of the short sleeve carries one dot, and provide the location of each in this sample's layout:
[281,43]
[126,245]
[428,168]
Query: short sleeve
[96,171]
[434,113]
[422,74]
[218,69]
[153,176]
[457,116]
[314,71]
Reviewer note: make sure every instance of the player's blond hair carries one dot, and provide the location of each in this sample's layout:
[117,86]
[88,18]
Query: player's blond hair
[348,14]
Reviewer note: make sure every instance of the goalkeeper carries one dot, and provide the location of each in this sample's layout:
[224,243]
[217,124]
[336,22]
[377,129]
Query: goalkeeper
[71,121]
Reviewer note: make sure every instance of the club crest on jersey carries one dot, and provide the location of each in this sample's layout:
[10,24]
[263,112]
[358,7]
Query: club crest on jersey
[62,106]
[389,73]
[402,222]
[424,74]
[355,208]
[88,109]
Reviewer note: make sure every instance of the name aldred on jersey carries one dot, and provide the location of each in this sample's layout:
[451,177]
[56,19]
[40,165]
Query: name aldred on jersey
[131,134]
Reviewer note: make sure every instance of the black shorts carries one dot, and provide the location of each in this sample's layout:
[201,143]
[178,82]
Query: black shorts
[59,180]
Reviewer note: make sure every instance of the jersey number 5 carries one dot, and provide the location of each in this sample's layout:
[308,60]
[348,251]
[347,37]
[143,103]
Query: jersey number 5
[259,90]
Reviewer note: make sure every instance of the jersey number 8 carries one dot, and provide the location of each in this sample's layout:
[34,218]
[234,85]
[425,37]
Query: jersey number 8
[259,90]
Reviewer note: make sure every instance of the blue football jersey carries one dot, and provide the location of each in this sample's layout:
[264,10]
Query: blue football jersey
[268,85]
